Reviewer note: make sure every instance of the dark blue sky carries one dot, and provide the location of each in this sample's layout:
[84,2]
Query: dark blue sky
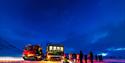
[78,24]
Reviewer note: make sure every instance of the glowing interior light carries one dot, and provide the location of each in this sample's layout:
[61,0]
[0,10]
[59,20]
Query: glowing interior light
[58,48]
[61,48]
[54,48]
[50,47]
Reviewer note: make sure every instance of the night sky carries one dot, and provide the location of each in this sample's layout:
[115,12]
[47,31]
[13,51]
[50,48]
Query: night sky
[85,25]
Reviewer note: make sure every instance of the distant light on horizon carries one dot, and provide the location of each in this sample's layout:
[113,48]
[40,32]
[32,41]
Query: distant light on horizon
[103,54]
[116,49]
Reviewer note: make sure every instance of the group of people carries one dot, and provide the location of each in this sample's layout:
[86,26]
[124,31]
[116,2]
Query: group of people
[84,58]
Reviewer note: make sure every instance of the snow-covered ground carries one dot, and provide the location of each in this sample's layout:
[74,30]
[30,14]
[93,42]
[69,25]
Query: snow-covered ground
[20,60]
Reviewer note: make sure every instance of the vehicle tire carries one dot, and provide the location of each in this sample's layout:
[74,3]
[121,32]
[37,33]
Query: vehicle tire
[24,58]
[65,62]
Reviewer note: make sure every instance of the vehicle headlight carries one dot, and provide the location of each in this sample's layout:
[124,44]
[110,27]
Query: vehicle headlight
[30,55]
[38,56]
[48,57]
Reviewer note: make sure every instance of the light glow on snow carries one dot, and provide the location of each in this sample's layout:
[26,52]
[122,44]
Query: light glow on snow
[11,58]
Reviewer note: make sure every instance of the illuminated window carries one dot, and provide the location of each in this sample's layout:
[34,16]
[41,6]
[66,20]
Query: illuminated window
[54,48]
[50,48]
[61,48]
[58,48]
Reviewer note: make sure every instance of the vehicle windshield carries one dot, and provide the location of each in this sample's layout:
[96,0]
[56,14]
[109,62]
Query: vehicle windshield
[30,48]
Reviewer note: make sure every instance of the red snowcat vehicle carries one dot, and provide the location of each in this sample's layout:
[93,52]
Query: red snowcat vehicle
[32,53]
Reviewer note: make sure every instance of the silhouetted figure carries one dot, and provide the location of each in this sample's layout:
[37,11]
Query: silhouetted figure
[81,56]
[100,58]
[70,56]
[77,57]
[85,58]
[74,57]
[96,57]
[91,57]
